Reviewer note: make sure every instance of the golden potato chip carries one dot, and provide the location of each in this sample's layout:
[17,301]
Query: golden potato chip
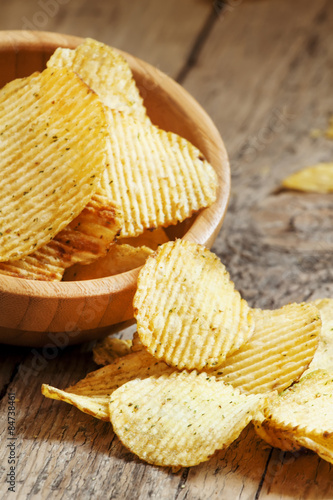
[157,178]
[85,239]
[91,394]
[323,357]
[52,153]
[329,130]
[318,179]
[136,343]
[288,337]
[303,414]
[94,406]
[276,438]
[106,71]
[151,238]
[179,419]
[187,310]
[107,350]
[119,259]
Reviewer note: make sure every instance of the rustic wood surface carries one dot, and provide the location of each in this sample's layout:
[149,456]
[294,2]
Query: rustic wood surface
[263,71]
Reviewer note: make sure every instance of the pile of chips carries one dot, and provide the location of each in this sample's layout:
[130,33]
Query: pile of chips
[85,171]
[202,365]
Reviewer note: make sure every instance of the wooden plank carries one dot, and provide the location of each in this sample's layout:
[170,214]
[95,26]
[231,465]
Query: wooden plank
[161,33]
[264,76]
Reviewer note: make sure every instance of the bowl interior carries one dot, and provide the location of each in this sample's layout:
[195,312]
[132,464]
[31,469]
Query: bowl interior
[170,107]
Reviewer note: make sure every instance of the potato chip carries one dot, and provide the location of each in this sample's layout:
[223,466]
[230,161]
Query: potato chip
[187,310]
[106,71]
[151,238]
[303,414]
[94,406]
[288,337]
[86,238]
[157,178]
[91,394]
[119,259]
[323,357]
[136,343]
[275,437]
[181,419]
[329,130]
[52,153]
[317,179]
[107,350]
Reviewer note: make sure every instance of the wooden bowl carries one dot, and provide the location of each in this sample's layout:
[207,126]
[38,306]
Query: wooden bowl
[41,313]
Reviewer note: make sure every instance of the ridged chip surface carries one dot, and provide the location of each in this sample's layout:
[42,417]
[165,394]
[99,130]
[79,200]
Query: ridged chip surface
[87,238]
[105,71]
[323,357]
[156,177]
[303,415]
[179,419]
[106,350]
[281,348]
[187,310]
[93,392]
[53,135]
[119,259]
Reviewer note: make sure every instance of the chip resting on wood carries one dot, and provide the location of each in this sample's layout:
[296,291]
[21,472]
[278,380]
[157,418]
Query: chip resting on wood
[181,419]
[302,416]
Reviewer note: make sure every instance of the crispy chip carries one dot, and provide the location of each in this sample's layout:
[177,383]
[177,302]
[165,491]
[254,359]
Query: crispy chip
[107,350]
[179,419]
[85,239]
[187,310]
[273,436]
[317,179]
[119,259]
[95,406]
[157,178]
[52,153]
[106,72]
[323,357]
[329,130]
[288,337]
[95,389]
[303,415]
[151,238]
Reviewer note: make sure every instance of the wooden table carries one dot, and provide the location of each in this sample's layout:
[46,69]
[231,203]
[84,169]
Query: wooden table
[263,71]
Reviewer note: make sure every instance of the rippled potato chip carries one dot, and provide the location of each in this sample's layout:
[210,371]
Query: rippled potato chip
[106,71]
[107,350]
[187,310]
[317,179]
[119,259]
[302,415]
[288,337]
[157,178]
[151,238]
[87,238]
[53,150]
[323,357]
[91,394]
[181,419]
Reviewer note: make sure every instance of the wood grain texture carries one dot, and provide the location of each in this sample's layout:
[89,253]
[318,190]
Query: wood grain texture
[264,75]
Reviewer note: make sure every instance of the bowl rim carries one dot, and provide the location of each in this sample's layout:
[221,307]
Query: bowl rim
[202,230]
